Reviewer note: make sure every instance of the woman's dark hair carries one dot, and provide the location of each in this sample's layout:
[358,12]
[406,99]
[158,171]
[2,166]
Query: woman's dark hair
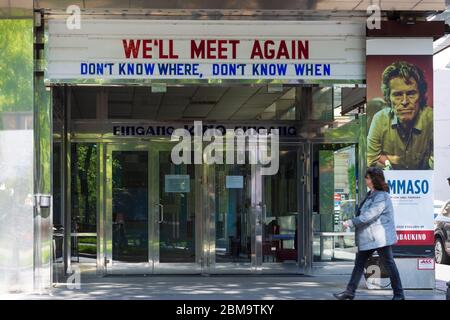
[377,177]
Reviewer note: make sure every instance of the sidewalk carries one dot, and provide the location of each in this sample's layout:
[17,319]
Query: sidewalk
[217,288]
[442,276]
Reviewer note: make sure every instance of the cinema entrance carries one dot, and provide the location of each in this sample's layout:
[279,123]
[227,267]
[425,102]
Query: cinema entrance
[123,205]
[132,210]
[166,218]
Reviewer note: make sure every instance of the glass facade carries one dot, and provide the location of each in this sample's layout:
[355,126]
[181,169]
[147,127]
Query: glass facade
[134,208]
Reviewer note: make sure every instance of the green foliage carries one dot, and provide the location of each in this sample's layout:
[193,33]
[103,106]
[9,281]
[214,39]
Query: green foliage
[16,65]
[90,240]
[326,197]
[84,186]
[351,174]
[87,249]
[349,130]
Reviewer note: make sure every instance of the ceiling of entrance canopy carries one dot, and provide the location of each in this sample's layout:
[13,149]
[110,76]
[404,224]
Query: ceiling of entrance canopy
[190,102]
[412,5]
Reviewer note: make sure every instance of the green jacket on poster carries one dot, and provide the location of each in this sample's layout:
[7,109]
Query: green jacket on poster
[416,153]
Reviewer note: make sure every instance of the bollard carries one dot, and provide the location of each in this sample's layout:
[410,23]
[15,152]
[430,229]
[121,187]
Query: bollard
[447,297]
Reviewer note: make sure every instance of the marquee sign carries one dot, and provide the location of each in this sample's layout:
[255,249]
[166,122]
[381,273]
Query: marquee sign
[148,49]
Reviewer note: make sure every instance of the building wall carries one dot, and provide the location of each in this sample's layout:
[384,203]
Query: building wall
[442,125]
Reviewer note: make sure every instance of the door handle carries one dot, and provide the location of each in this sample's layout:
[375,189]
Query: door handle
[262,218]
[161,213]
[264,213]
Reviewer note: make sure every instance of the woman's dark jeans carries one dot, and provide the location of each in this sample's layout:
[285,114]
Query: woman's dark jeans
[387,258]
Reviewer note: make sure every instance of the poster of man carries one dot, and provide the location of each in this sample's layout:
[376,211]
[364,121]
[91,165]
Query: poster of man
[400,119]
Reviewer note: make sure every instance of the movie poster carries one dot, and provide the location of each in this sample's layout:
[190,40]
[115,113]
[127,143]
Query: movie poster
[400,112]
[400,130]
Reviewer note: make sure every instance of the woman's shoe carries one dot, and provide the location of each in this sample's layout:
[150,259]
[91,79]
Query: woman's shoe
[344,296]
[398,298]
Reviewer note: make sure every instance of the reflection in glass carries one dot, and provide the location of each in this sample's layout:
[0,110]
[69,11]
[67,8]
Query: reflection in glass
[83,194]
[177,220]
[334,200]
[84,247]
[322,103]
[280,236]
[84,187]
[130,206]
[233,202]
[58,220]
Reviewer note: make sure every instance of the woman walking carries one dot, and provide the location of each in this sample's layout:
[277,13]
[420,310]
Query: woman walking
[374,231]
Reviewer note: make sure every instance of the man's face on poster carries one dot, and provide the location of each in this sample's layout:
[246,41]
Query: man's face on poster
[404,98]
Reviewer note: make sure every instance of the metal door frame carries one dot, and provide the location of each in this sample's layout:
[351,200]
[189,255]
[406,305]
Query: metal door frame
[153,266]
[323,267]
[156,146]
[257,212]
[124,268]
[303,209]
[211,266]
[205,217]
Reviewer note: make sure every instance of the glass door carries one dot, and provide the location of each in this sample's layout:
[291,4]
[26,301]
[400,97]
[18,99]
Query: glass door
[151,211]
[233,223]
[335,195]
[282,221]
[225,218]
[254,220]
[174,195]
[127,209]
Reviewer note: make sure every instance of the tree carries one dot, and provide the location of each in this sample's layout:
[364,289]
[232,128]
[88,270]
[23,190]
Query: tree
[16,65]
